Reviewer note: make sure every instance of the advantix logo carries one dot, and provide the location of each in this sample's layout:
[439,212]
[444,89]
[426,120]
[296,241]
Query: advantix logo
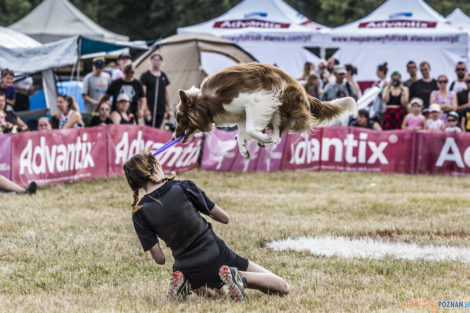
[245,23]
[398,24]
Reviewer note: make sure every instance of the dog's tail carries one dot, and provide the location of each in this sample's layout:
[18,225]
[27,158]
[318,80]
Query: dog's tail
[326,112]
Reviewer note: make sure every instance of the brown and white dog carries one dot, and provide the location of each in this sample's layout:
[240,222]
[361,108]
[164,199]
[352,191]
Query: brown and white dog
[255,97]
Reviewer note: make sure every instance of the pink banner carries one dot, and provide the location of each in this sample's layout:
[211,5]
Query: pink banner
[5,155]
[59,155]
[443,153]
[302,152]
[126,140]
[221,154]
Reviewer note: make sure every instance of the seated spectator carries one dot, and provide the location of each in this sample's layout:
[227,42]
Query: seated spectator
[103,117]
[395,96]
[459,84]
[415,120]
[452,122]
[434,123]
[10,116]
[446,99]
[340,88]
[68,114]
[364,121]
[312,86]
[24,89]
[7,87]
[309,69]
[423,87]
[425,112]
[121,115]
[44,124]
[351,70]
[9,186]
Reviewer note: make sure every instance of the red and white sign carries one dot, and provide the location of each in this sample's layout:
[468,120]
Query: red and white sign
[249,23]
[397,24]
[5,155]
[59,155]
[126,140]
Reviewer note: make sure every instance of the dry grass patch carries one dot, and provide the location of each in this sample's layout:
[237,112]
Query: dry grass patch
[72,247]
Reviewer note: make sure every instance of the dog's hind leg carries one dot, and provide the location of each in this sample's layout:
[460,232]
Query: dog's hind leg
[256,122]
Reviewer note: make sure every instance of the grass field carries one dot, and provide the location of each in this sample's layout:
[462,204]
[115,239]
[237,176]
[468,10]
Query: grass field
[72,247]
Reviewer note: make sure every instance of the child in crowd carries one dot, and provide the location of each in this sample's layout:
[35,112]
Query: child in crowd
[415,120]
[170,210]
[452,122]
[434,122]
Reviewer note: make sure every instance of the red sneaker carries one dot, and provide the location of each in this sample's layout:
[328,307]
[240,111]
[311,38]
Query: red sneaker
[179,287]
[234,282]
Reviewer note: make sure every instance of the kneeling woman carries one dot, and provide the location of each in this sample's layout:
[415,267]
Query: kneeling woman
[170,210]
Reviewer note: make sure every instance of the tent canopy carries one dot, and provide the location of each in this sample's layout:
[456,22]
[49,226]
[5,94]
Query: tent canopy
[270,30]
[183,55]
[53,20]
[12,39]
[396,32]
[459,19]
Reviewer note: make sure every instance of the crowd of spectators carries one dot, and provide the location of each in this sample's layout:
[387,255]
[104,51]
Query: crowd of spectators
[422,103]
[118,97]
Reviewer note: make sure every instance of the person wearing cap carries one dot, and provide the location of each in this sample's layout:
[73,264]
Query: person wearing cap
[95,85]
[434,123]
[446,99]
[121,115]
[340,88]
[123,60]
[453,122]
[423,87]
[133,88]
[414,120]
[395,96]
[155,84]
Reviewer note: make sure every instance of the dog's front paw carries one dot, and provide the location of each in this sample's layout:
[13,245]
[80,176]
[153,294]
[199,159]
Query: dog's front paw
[276,139]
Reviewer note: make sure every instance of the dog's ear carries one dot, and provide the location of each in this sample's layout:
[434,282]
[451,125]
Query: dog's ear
[183,96]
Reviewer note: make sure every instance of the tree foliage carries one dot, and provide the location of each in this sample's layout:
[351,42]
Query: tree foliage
[153,19]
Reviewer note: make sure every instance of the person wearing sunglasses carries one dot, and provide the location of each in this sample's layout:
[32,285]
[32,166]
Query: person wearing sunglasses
[459,84]
[133,88]
[446,99]
[103,117]
[453,122]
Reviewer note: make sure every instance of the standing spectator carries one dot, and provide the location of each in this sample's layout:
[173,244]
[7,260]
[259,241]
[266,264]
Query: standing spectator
[121,115]
[423,87]
[351,70]
[124,59]
[452,122]
[364,121]
[412,70]
[463,101]
[340,88]
[377,110]
[68,114]
[7,87]
[309,68]
[155,82]
[395,96]
[44,124]
[95,85]
[24,89]
[434,122]
[103,117]
[330,66]
[415,120]
[446,99]
[312,86]
[10,114]
[459,84]
[132,88]
[321,71]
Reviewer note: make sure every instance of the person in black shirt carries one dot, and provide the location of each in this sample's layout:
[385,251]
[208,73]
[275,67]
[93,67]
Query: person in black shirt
[171,210]
[154,82]
[463,102]
[423,87]
[364,121]
[103,115]
[132,88]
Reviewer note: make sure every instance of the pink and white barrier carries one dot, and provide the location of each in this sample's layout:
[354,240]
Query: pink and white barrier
[74,154]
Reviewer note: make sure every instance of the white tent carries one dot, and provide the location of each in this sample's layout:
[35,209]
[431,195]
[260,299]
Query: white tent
[12,39]
[396,32]
[53,20]
[462,21]
[271,30]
